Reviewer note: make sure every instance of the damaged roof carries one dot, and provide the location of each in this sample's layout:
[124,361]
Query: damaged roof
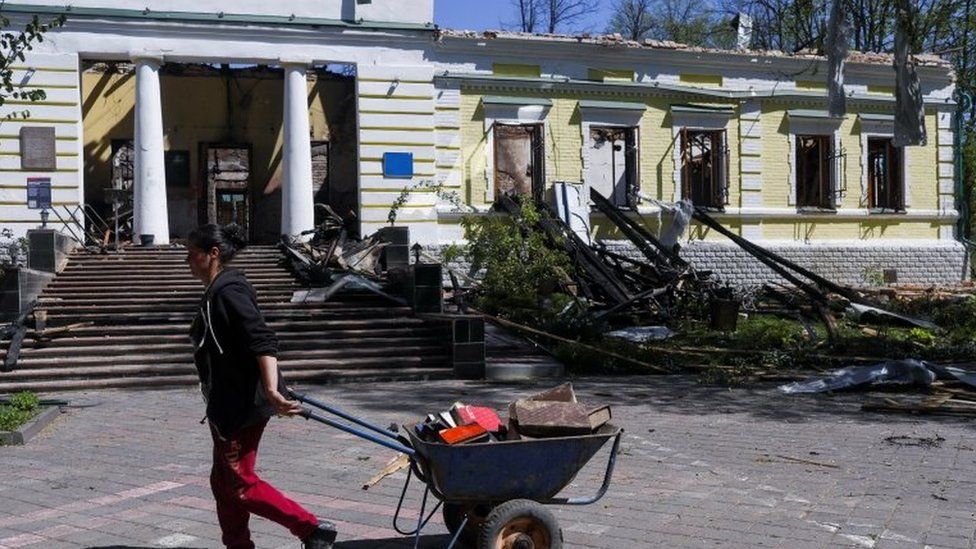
[618,41]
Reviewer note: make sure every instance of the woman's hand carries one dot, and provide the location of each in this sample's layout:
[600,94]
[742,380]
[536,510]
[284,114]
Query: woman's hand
[282,406]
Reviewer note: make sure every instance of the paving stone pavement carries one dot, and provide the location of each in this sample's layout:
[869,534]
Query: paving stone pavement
[699,467]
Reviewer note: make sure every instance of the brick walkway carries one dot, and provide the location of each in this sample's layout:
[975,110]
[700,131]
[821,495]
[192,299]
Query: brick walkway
[699,467]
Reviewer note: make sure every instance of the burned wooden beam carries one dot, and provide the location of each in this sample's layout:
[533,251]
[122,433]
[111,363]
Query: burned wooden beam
[651,247]
[767,256]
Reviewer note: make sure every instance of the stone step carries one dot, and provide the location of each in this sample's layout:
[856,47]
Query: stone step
[334,375]
[270,307]
[168,266]
[149,285]
[74,347]
[81,273]
[30,365]
[284,328]
[131,296]
[122,315]
[294,340]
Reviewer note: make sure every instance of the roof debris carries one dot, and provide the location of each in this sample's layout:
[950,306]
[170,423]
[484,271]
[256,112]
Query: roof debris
[618,41]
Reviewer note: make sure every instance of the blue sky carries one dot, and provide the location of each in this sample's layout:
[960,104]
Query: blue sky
[495,14]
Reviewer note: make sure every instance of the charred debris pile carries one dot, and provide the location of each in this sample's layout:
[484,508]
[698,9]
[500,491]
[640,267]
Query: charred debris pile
[644,297]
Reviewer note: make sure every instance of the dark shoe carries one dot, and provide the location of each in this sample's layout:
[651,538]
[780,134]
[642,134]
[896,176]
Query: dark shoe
[322,538]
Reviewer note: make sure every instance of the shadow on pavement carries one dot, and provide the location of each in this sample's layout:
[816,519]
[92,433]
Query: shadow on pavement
[680,394]
[426,542]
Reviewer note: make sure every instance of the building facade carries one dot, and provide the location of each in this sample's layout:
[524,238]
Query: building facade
[256,115]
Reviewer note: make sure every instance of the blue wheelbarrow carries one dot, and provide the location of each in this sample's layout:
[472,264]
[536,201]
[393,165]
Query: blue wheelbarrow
[492,495]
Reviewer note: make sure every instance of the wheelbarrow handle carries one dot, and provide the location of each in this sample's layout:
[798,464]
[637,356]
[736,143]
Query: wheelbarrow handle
[391,444]
[346,416]
[606,479]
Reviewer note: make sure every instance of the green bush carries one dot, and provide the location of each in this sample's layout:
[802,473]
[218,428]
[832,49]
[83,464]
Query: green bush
[520,268]
[22,408]
[770,332]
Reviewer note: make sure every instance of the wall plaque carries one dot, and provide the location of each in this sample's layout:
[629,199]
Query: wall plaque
[37,149]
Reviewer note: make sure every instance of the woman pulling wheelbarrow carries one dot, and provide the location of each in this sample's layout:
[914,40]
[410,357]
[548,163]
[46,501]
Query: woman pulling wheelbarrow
[235,355]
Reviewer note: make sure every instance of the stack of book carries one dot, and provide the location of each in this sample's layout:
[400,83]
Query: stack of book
[552,413]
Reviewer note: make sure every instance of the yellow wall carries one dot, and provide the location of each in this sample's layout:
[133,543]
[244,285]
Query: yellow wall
[564,144]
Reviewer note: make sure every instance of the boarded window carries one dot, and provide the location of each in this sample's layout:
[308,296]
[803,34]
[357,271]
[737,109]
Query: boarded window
[704,167]
[519,160]
[814,186]
[613,163]
[885,177]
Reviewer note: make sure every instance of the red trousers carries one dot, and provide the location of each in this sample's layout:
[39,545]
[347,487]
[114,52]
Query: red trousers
[239,492]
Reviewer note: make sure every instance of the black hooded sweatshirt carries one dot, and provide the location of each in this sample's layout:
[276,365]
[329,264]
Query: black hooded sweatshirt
[229,334]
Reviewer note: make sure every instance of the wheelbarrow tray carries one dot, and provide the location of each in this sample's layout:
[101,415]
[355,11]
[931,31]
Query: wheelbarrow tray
[535,469]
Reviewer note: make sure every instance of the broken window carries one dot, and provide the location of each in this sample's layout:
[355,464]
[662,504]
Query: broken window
[227,171]
[613,163]
[814,179]
[704,167]
[519,160]
[885,177]
[123,163]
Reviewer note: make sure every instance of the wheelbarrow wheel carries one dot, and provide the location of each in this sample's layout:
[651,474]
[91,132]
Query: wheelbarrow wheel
[454,515]
[521,524]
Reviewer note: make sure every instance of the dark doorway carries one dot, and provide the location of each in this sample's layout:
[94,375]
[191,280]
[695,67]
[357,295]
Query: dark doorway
[321,191]
[227,174]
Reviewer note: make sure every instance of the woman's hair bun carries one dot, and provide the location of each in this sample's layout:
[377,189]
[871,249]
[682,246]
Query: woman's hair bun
[235,235]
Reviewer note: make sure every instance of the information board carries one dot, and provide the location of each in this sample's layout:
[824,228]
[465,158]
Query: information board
[39,193]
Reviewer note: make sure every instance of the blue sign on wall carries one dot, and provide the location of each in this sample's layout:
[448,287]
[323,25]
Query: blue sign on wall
[398,164]
[39,193]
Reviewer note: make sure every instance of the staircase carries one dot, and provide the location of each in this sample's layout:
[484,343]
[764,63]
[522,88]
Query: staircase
[140,304]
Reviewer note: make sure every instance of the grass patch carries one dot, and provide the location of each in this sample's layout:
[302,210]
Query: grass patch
[23,407]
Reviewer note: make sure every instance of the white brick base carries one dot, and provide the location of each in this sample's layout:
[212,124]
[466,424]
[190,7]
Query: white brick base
[931,263]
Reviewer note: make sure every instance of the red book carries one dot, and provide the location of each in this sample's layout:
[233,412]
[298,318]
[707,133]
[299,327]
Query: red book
[464,433]
[478,415]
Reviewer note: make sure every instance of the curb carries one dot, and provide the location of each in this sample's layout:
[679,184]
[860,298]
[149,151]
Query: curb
[27,431]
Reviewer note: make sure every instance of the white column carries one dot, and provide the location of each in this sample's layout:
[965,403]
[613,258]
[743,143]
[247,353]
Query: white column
[297,207]
[150,214]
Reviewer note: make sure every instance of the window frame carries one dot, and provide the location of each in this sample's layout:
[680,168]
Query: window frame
[512,114]
[719,193]
[896,158]
[817,123]
[828,191]
[882,128]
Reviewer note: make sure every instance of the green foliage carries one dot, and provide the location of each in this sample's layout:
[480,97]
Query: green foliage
[519,267]
[770,332]
[14,45]
[873,276]
[451,197]
[452,252]
[22,408]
